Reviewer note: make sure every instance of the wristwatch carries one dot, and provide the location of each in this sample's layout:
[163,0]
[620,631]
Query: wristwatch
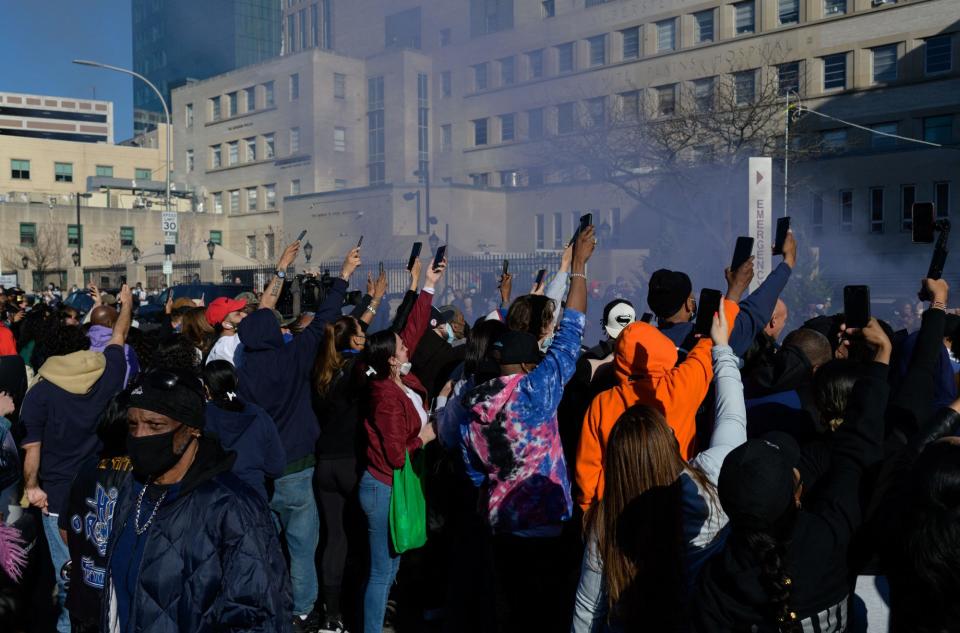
[282,274]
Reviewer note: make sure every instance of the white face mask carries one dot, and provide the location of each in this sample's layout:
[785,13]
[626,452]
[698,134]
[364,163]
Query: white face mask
[451,337]
[545,344]
[405,368]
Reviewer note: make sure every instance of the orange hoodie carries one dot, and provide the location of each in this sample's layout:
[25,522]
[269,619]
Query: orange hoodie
[646,365]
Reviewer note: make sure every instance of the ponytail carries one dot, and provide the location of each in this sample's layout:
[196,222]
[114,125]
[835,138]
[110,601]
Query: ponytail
[328,362]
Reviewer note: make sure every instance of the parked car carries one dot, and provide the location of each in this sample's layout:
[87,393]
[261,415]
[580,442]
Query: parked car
[152,310]
[82,302]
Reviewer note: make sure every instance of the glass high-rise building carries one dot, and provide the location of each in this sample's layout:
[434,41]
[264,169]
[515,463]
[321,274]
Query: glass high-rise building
[175,41]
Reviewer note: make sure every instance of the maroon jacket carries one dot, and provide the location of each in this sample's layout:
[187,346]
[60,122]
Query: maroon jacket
[392,422]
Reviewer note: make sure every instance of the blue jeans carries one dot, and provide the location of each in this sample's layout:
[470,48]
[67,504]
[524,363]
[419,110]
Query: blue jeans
[296,507]
[59,554]
[384,563]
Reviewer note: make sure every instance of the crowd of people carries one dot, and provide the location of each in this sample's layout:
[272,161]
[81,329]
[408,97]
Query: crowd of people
[384,466]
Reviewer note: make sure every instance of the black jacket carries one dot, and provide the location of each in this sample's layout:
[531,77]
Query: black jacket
[433,362]
[341,425]
[730,596]
[212,560]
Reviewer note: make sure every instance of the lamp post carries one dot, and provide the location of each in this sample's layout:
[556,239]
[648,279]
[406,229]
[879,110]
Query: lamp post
[603,232]
[163,102]
[76,258]
[24,261]
[308,251]
[424,174]
[136,254]
[211,247]
[76,262]
[410,195]
[434,243]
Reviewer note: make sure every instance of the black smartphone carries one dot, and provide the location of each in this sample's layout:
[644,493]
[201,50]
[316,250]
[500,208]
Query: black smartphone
[302,233]
[709,304]
[585,221]
[381,268]
[783,227]
[506,268]
[360,241]
[856,306]
[647,317]
[540,275]
[414,254]
[438,257]
[923,222]
[742,252]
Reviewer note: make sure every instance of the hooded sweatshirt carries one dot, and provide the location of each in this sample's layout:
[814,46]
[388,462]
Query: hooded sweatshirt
[99,336]
[513,439]
[8,345]
[276,376]
[646,365]
[62,410]
[253,436]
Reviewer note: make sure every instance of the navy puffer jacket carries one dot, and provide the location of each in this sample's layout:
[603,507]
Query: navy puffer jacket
[212,561]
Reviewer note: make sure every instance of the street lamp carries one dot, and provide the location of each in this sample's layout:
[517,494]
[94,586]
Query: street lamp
[410,195]
[308,251]
[211,246]
[163,102]
[434,242]
[136,254]
[424,176]
[76,258]
[79,230]
[24,261]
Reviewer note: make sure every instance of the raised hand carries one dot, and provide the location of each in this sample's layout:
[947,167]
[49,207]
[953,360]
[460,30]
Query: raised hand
[350,263]
[719,331]
[289,255]
[435,274]
[739,280]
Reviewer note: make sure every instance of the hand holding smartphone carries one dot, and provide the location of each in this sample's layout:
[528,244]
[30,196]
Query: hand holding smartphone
[856,306]
[302,233]
[783,227]
[709,304]
[585,221]
[741,253]
[439,256]
[414,254]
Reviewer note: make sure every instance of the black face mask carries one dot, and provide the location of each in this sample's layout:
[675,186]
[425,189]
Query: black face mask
[153,455]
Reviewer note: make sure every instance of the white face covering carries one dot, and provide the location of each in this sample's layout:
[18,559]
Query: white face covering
[451,337]
[545,344]
[405,368]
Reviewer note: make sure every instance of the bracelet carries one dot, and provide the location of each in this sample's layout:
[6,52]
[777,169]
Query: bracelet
[371,309]
[938,305]
[581,275]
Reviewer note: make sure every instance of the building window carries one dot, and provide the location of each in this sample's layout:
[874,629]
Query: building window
[480,180]
[908,195]
[444,37]
[339,183]
[142,173]
[507,127]
[20,169]
[251,199]
[268,97]
[566,122]
[250,96]
[744,86]
[835,72]
[315,25]
[74,235]
[215,109]
[446,138]
[510,178]
[189,158]
[188,115]
[294,86]
[878,141]
[846,211]
[291,32]
[535,124]
[269,146]
[218,202]
[235,201]
[270,193]
[480,132]
[295,187]
[743,14]
[376,136]
[339,86]
[834,7]
[507,71]
[565,61]
[535,63]
[548,9]
[63,172]
[703,92]
[884,64]
[938,129]
[28,234]
[666,100]
[937,54]
[294,140]
[327,25]
[631,42]
[423,125]
[252,244]
[788,78]
[876,210]
[666,35]
[233,153]
[941,199]
[216,161]
[490,16]
[597,111]
[232,104]
[302,19]
[539,230]
[598,50]
[339,139]
[788,11]
[106,171]
[269,244]
[816,214]
[216,237]
[630,106]
[834,140]
[703,26]
[558,231]
[251,146]
[127,236]
[480,76]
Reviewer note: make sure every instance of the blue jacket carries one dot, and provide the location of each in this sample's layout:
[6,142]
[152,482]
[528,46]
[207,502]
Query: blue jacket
[212,560]
[276,376]
[253,436]
[755,313]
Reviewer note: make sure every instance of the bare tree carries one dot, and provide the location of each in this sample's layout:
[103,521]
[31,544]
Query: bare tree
[108,250]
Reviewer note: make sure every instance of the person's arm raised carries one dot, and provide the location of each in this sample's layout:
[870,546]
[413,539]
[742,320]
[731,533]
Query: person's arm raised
[272,294]
[583,249]
[122,327]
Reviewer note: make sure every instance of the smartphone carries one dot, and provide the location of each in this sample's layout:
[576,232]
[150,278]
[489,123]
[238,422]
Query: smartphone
[438,258]
[856,306]
[783,227]
[540,275]
[302,233]
[585,221]
[381,268]
[360,242]
[742,252]
[647,317]
[923,223]
[414,254]
[709,304]
[506,268]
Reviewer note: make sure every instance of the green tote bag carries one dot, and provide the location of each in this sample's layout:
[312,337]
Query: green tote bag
[408,507]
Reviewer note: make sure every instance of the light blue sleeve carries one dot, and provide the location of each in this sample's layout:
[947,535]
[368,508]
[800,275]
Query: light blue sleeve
[590,604]
[555,290]
[730,426]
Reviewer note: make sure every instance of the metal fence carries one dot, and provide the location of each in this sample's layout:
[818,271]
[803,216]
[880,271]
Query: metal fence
[105,276]
[183,273]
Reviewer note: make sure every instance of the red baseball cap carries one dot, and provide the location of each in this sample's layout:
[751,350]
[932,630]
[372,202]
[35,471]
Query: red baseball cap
[220,307]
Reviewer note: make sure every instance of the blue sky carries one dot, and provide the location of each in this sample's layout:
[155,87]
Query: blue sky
[41,37]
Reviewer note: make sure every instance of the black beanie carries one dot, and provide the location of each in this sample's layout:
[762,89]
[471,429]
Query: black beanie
[668,291]
[175,394]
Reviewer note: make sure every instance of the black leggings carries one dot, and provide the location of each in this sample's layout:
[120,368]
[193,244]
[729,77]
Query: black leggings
[336,485]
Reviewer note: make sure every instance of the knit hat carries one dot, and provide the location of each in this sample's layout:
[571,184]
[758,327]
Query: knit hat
[617,315]
[756,484]
[668,291]
[220,307]
[513,347]
[175,394]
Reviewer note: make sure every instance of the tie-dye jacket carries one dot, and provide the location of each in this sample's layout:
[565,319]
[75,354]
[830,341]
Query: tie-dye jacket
[512,443]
